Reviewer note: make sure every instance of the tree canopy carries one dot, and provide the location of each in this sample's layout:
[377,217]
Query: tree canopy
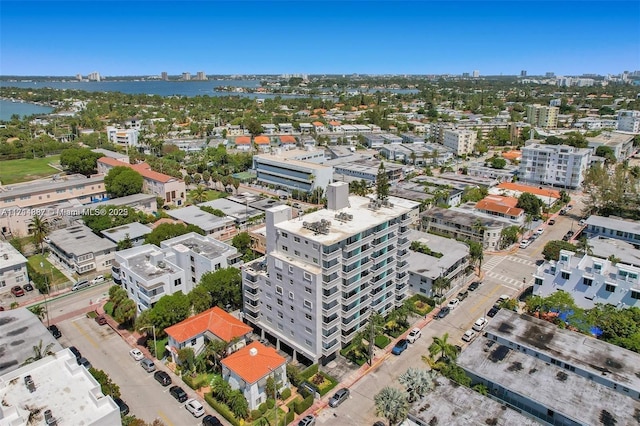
[530,204]
[122,181]
[551,250]
[79,160]
[382,183]
[166,231]
[225,287]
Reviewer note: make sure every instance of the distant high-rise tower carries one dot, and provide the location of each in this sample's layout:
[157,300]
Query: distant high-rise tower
[523,73]
[94,76]
[550,74]
[201,76]
[186,76]
[476,73]
[164,76]
[465,74]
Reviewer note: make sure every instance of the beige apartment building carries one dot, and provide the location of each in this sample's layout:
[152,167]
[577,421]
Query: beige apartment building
[462,142]
[542,116]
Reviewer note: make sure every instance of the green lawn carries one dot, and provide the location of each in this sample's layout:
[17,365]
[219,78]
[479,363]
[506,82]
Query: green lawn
[211,195]
[48,270]
[23,170]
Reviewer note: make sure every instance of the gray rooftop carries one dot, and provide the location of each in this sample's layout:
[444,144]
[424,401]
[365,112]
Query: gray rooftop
[194,216]
[111,154]
[465,218]
[20,330]
[614,223]
[469,180]
[235,209]
[78,240]
[149,262]
[452,404]
[205,246]
[605,247]
[579,350]
[430,266]
[134,230]
[610,138]
[9,256]
[64,182]
[129,199]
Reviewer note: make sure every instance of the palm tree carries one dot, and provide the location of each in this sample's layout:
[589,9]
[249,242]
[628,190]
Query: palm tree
[39,310]
[238,404]
[584,247]
[441,346]
[199,194]
[39,353]
[38,229]
[392,404]
[417,381]
[441,283]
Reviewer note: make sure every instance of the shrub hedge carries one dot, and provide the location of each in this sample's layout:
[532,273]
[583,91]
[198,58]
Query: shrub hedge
[222,409]
[285,394]
[302,406]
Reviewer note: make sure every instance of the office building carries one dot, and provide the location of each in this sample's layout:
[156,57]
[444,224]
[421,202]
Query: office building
[79,249]
[13,267]
[476,73]
[542,116]
[556,165]
[462,142]
[629,121]
[523,73]
[326,272]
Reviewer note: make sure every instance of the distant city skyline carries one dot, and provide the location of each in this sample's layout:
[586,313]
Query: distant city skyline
[53,38]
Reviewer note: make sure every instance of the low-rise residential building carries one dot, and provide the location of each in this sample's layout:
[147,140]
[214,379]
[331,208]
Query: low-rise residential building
[79,249]
[462,142]
[450,259]
[497,205]
[57,189]
[145,203]
[214,324]
[367,169]
[605,248]
[501,175]
[171,190]
[221,228]
[249,368]
[134,232]
[293,169]
[589,280]
[620,143]
[13,267]
[613,227]
[542,370]
[557,165]
[123,137]
[460,224]
[243,209]
[629,121]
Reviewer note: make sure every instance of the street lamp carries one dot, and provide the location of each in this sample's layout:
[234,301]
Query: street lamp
[155,344]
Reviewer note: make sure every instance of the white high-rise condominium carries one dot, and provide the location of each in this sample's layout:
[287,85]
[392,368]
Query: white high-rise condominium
[629,121]
[557,165]
[324,274]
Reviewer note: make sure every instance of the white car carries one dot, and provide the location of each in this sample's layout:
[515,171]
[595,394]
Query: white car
[414,335]
[479,324]
[194,407]
[453,303]
[539,231]
[524,244]
[468,335]
[136,354]
[98,279]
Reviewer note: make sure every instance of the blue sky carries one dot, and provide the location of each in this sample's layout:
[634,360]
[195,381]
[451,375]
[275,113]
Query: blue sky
[243,37]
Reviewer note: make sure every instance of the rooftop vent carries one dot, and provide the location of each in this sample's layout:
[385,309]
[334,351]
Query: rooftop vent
[253,352]
[49,420]
[322,226]
[344,217]
[28,381]
[161,264]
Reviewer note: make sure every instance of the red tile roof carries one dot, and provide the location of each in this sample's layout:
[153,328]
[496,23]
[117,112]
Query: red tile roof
[334,123]
[546,192]
[498,208]
[215,320]
[287,139]
[318,124]
[243,140]
[252,365]
[262,140]
[143,168]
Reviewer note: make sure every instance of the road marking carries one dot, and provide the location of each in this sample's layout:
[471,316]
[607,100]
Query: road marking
[490,264]
[474,308]
[86,335]
[520,260]
[164,418]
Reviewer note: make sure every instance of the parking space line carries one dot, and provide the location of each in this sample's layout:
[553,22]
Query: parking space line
[85,335]
[164,418]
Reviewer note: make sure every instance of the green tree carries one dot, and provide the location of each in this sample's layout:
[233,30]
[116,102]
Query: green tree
[498,163]
[107,386]
[199,194]
[238,404]
[169,310]
[166,231]
[476,254]
[225,287]
[417,382]
[530,204]
[392,404]
[126,311]
[200,299]
[508,236]
[607,153]
[38,310]
[443,348]
[79,160]
[39,228]
[39,352]
[440,284]
[382,183]
[253,126]
[242,242]
[124,244]
[122,181]
[551,250]
[187,358]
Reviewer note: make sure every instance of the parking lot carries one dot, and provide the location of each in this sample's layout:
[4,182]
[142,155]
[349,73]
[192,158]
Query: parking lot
[146,398]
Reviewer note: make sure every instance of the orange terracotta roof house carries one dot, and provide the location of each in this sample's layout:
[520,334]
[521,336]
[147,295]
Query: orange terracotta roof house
[496,208]
[512,155]
[543,192]
[247,368]
[243,140]
[287,139]
[215,322]
[318,124]
[262,140]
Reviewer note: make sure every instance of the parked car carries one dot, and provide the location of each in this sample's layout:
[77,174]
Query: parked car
[53,329]
[453,303]
[27,287]
[479,324]
[309,420]
[80,285]
[148,365]
[552,222]
[162,377]
[582,222]
[400,347]
[563,212]
[136,354]
[502,298]
[443,312]
[468,335]
[75,352]
[178,393]
[124,408]
[474,285]
[462,295]
[210,420]
[524,244]
[84,362]
[493,311]
[414,335]
[98,279]
[194,407]
[539,231]
[101,319]
[339,397]
[568,236]
[17,291]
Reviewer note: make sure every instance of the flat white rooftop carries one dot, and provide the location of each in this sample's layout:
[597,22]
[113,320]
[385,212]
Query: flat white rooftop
[9,256]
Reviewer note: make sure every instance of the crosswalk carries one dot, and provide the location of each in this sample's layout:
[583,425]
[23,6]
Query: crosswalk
[512,282]
[492,263]
[520,260]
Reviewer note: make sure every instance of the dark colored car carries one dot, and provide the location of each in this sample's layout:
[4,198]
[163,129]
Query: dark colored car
[493,311]
[75,352]
[177,392]
[462,295]
[443,312]
[474,286]
[84,362]
[552,222]
[210,420]
[55,331]
[400,347]
[100,319]
[17,291]
[163,378]
[27,287]
[124,408]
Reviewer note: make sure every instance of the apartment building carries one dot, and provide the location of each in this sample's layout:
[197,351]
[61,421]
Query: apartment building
[355,168]
[557,376]
[221,228]
[629,121]
[462,142]
[35,194]
[149,272]
[590,280]
[556,165]
[78,248]
[326,272]
[13,268]
[613,227]
[171,190]
[463,225]
[543,116]
[123,137]
[620,143]
[302,170]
